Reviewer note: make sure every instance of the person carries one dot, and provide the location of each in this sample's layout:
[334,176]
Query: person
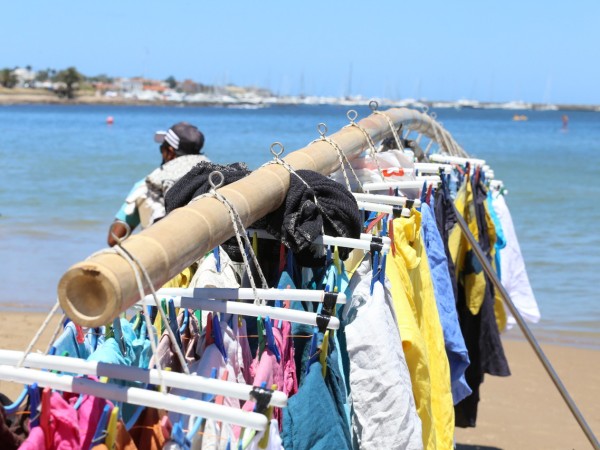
[181,149]
[565,122]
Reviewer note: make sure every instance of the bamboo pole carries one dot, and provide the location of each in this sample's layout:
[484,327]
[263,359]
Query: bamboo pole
[95,291]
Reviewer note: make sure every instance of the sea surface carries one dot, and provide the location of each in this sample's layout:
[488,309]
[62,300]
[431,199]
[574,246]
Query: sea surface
[65,173]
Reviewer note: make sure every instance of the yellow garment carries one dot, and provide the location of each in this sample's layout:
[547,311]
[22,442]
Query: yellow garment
[469,271]
[181,280]
[421,332]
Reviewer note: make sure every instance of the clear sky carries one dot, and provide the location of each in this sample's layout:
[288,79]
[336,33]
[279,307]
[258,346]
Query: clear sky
[537,51]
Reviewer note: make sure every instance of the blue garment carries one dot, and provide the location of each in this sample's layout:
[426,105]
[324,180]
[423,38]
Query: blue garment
[310,420]
[458,356]
[500,239]
[67,342]
[129,212]
[136,352]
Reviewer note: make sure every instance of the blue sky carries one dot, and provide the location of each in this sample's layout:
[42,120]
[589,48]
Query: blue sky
[440,50]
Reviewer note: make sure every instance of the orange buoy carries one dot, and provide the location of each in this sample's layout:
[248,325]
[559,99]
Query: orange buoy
[110,120]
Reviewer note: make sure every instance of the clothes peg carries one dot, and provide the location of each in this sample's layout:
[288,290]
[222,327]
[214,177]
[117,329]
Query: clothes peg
[217,255]
[34,405]
[255,243]
[45,416]
[376,269]
[218,336]
[336,259]
[186,321]
[111,429]
[260,328]
[173,322]
[100,428]
[271,345]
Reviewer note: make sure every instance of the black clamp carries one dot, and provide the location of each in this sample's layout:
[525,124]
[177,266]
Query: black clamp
[376,244]
[262,397]
[409,204]
[329,302]
[396,211]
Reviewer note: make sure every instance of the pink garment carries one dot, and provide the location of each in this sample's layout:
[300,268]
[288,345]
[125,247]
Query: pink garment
[268,370]
[288,363]
[89,413]
[189,340]
[59,424]
[35,440]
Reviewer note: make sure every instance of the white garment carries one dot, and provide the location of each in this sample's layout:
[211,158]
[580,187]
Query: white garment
[367,171]
[384,411]
[512,268]
[161,179]
[207,275]
[237,363]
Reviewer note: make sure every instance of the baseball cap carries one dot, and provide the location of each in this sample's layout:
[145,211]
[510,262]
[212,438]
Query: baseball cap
[186,139]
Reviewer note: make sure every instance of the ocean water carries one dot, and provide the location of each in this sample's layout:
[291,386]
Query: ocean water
[65,172]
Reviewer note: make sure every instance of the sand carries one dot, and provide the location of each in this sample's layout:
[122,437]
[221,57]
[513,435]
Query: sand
[523,411]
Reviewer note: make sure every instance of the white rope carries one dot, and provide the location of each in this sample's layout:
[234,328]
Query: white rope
[38,334]
[129,256]
[352,115]
[374,105]
[322,128]
[240,233]
[55,334]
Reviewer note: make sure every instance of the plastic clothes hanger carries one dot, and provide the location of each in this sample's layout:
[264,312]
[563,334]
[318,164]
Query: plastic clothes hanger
[206,397]
[135,396]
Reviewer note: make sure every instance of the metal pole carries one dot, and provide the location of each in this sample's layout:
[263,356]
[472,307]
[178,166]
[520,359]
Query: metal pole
[526,331]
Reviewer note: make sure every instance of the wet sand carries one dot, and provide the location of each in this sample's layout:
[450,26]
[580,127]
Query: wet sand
[523,411]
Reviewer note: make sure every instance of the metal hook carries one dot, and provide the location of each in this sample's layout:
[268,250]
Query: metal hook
[322,129]
[374,105]
[351,115]
[425,108]
[275,153]
[211,179]
[433,115]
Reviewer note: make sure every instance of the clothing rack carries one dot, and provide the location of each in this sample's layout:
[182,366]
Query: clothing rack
[93,292]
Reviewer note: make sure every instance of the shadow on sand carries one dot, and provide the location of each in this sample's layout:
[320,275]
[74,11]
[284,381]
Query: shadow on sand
[475,447]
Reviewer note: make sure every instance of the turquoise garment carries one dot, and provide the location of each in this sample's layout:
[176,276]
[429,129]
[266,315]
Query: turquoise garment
[312,419]
[500,239]
[128,212]
[456,349]
[67,342]
[136,352]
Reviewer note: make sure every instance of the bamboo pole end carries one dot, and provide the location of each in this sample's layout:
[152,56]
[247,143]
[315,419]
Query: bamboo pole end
[88,294]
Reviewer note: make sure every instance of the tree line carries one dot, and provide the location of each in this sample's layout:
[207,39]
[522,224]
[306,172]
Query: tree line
[70,77]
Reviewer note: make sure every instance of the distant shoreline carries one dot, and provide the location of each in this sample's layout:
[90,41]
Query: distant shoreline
[8,98]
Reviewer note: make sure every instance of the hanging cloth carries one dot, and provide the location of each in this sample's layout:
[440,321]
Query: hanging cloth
[514,274]
[383,405]
[421,332]
[458,356]
[475,301]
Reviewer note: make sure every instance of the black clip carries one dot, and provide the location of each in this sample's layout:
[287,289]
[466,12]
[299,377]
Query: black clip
[376,244]
[396,211]
[409,204]
[262,398]
[329,302]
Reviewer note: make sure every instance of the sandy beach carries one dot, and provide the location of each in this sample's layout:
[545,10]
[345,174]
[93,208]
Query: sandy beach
[523,411]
